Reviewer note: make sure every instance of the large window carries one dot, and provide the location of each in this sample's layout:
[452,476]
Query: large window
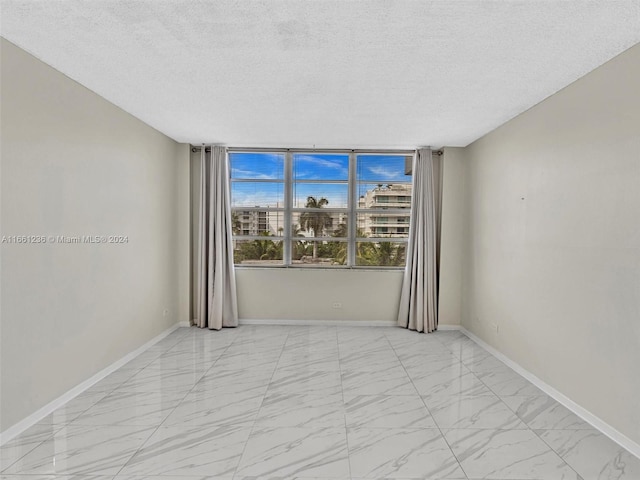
[320,209]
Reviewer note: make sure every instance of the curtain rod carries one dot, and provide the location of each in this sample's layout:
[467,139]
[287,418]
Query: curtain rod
[318,150]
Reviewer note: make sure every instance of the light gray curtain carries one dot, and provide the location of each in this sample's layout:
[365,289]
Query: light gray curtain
[215,302]
[419,298]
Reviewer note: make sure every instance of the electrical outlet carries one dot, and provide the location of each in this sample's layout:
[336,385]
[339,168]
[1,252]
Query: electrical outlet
[494,327]
[165,312]
[337,305]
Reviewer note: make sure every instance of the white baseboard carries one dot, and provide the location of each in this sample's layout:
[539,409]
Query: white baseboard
[599,424]
[343,323]
[39,414]
[184,323]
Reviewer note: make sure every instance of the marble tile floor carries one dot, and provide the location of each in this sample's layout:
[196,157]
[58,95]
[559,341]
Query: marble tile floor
[314,403]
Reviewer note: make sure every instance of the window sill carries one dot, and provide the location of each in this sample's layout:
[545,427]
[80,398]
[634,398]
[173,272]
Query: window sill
[307,268]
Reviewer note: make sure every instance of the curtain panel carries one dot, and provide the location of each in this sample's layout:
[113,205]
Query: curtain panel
[215,300]
[419,298]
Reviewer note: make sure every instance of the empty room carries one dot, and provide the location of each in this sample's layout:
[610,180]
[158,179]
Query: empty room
[316,240]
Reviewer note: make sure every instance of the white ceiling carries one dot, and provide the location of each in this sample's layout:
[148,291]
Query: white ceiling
[297,73]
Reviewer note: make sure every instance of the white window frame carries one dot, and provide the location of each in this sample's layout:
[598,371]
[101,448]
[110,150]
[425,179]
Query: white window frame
[351,211]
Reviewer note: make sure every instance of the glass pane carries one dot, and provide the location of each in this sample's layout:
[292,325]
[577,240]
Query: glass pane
[246,222]
[332,195]
[257,252]
[380,254]
[253,194]
[318,254]
[320,166]
[257,166]
[378,195]
[382,224]
[317,223]
[383,168]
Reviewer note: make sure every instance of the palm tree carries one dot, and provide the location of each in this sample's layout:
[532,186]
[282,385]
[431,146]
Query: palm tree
[383,254]
[259,249]
[315,221]
[298,246]
[339,249]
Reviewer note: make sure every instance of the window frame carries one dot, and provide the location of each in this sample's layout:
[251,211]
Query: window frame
[351,211]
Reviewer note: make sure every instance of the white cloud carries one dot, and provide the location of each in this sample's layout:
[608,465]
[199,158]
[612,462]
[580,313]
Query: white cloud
[322,162]
[239,173]
[387,173]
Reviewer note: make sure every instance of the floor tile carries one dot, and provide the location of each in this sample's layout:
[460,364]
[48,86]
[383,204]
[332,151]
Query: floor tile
[83,450]
[73,408]
[240,360]
[482,411]
[296,452]
[56,477]
[183,361]
[215,345]
[250,381]
[544,413]
[363,347]
[191,451]
[311,345]
[24,443]
[311,361]
[506,382]
[143,359]
[113,380]
[397,453]
[421,362]
[506,454]
[285,477]
[154,380]
[387,411]
[305,381]
[592,454]
[370,361]
[389,382]
[484,364]
[205,408]
[171,477]
[448,382]
[131,408]
[301,410]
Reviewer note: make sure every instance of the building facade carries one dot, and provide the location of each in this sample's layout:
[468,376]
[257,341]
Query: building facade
[385,224]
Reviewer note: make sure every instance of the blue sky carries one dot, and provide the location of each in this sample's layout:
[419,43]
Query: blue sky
[371,169]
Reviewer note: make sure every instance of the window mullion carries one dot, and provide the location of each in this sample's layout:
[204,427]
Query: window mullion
[288,201]
[352,204]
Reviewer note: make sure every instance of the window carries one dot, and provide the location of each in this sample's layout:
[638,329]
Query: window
[320,209]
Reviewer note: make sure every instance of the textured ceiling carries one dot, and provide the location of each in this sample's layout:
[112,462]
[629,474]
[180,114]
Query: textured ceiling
[363,73]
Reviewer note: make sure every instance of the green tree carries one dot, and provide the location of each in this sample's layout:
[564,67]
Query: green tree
[259,250]
[299,246]
[339,249]
[383,254]
[315,222]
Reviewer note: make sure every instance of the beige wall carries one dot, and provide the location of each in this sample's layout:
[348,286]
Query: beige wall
[308,294]
[452,241]
[183,226]
[74,164]
[554,241]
